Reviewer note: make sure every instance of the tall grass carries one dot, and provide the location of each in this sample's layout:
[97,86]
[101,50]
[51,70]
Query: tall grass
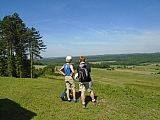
[121,96]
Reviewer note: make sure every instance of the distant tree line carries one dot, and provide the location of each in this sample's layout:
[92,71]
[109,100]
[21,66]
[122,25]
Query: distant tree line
[19,47]
[105,61]
[127,59]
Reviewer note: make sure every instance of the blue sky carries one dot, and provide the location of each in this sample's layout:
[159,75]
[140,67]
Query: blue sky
[91,27]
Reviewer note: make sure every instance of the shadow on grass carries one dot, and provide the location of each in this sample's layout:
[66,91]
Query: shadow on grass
[88,99]
[10,110]
[78,95]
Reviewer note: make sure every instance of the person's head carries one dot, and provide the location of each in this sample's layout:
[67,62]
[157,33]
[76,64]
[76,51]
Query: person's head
[68,59]
[82,59]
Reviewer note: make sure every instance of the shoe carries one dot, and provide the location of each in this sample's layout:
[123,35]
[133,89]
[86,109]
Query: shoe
[83,106]
[75,100]
[94,102]
[69,100]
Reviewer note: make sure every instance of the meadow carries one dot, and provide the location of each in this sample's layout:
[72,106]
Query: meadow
[123,94]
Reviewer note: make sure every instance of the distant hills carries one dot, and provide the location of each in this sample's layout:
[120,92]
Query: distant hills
[133,58]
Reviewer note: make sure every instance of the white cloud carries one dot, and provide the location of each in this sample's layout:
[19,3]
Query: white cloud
[77,37]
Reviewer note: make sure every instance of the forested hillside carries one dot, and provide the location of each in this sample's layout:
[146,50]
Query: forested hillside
[113,59]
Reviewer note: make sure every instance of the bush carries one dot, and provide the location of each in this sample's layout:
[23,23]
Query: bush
[49,70]
[38,72]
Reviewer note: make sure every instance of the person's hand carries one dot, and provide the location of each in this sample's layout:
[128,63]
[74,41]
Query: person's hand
[76,76]
[64,75]
[71,75]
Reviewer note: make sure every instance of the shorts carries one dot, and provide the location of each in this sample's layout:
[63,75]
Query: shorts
[70,83]
[83,86]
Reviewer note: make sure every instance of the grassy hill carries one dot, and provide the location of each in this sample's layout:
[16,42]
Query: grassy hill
[123,94]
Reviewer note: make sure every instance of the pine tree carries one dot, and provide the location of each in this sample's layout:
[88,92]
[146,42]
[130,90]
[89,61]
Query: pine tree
[19,47]
[35,46]
[7,30]
[3,63]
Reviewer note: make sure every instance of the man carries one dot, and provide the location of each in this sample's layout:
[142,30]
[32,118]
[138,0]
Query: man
[87,83]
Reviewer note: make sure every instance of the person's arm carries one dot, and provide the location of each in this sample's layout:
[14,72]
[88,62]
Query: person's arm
[77,70]
[61,70]
[88,68]
[71,66]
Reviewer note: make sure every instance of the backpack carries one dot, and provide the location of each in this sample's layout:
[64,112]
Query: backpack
[83,74]
[64,95]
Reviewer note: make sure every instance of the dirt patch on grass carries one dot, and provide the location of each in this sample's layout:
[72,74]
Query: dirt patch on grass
[39,66]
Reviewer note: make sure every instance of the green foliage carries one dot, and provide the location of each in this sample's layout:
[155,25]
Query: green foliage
[100,65]
[48,70]
[36,62]
[17,42]
[38,72]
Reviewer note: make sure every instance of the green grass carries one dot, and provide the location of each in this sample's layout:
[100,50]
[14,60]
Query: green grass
[128,77]
[121,96]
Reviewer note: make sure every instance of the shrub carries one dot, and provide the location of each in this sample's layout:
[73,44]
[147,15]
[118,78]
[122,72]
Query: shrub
[49,70]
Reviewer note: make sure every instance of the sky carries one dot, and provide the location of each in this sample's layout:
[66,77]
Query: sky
[90,27]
